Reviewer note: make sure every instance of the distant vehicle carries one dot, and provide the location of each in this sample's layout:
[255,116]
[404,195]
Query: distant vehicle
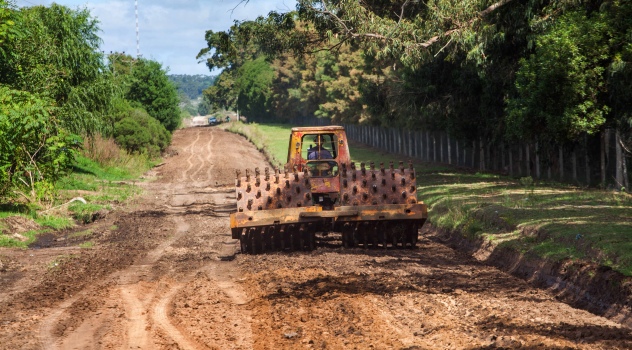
[213,121]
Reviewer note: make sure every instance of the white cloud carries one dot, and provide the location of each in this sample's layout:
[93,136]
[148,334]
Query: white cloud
[171,32]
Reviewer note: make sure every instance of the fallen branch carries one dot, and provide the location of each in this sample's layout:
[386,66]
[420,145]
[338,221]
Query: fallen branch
[76,199]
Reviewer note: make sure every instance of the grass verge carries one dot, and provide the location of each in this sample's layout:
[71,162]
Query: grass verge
[103,176]
[550,220]
[271,139]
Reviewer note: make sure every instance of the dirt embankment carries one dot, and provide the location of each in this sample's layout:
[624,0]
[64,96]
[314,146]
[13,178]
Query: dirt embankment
[164,275]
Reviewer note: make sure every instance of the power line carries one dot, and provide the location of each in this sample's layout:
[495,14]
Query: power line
[28,2]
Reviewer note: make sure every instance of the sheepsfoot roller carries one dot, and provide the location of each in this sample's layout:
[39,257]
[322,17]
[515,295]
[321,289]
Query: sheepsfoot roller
[321,190]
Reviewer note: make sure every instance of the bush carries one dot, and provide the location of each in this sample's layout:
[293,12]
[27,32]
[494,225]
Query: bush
[33,147]
[139,133]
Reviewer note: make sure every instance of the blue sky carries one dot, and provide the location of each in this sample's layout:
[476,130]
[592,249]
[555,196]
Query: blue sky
[171,32]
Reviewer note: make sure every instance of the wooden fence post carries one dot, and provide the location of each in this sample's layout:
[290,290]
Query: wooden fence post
[481,145]
[619,161]
[528,153]
[587,160]
[457,152]
[434,147]
[473,153]
[427,146]
[510,163]
[449,151]
[441,148]
[574,161]
[537,161]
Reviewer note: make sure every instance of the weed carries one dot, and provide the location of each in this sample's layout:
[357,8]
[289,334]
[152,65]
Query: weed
[86,245]
[84,212]
[101,150]
[21,240]
[56,223]
[60,260]
[80,234]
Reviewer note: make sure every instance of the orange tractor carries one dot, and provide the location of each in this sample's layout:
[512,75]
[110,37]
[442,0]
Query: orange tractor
[320,191]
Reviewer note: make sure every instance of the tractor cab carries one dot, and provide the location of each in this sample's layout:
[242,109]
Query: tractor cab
[320,150]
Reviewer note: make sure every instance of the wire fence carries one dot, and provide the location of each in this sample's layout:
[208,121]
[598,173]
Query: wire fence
[591,161]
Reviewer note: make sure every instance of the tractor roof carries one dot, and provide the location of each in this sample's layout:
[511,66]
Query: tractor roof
[305,129]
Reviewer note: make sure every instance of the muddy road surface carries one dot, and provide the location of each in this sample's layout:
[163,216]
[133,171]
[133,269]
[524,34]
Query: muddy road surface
[164,273]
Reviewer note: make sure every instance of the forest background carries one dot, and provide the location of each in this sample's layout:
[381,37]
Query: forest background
[554,75]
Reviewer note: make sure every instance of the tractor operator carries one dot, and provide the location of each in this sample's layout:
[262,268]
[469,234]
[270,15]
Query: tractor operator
[318,152]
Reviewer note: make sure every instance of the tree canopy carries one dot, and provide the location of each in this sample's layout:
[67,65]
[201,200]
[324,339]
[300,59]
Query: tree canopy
[479,69]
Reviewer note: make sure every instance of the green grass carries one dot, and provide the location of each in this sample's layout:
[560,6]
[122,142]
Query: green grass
[101,186]
[54,222]
[84,212]
[86,245]
[551,220]
[83,233]
[11,242]
[271,139]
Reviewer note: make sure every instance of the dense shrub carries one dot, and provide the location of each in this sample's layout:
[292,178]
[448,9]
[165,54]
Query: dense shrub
[34,150]
[140,133]
[150,87]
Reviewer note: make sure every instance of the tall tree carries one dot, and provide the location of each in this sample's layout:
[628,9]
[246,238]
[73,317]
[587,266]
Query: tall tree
[254,84]
[151,88]
[561,86]
[60,59]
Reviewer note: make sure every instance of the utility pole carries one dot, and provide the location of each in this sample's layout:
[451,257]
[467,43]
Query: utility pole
[137,35]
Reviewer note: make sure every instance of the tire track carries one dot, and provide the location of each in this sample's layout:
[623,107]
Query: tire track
[137,336]
[160,315]
[209,158]
[189,149]
[204,163]
[128,281]
[135,311]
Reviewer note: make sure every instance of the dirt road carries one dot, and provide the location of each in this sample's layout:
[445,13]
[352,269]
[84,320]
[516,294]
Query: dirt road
[164,274]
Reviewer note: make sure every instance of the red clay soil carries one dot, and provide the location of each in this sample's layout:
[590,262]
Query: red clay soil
[165,274]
